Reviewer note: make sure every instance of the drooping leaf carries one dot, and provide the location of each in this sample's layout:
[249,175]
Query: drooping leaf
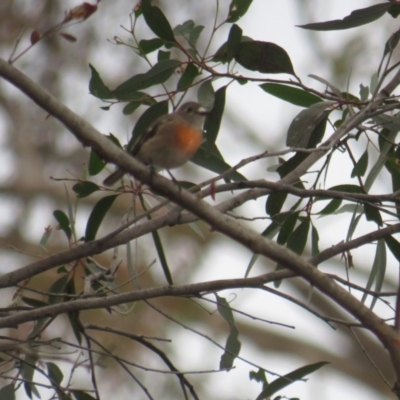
[232,350]
[361,166]
[265,57]
[27,372]
[394,246]
[275,202]
[214,118]
[287,228]
[55,373]
[84,189]
[96,216]
[63,222]
[57,289]
[233,345]
[373,214]
[97,87]
[96,164]
[131,107]
[233,43]
[314,241]
[298,97]
[157,22]
[188,76]
[356,18]
[304,126]
[377,273]
[159,248]
[298,239]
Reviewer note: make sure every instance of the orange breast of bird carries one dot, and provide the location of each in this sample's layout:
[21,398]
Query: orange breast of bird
[189,139]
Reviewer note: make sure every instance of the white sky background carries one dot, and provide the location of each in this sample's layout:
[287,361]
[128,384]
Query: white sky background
[257,114]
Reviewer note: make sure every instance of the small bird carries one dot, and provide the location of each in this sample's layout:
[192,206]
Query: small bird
[171,141]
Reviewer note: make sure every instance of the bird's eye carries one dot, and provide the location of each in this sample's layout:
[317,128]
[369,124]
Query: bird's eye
[189,109]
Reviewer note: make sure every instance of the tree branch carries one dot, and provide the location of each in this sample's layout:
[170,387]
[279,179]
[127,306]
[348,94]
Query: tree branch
[219,222]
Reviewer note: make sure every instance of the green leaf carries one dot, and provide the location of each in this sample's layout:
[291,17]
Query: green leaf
[159,73]
[206,95]
[63,222]
[288,379]
[394,246]
[76,324]
[373,214]
[290,94]
[224,309]
[275,202]
[188,77]
[214,162]
[96,164]
[314,241]
[361,166]
[298,239]
[96,86]
[356,18]
[364,92]
[304,126]
[221,55]
[8,392]
[84,189]
[157,22]
[33,302]
[234,39]
[58,287]
[214,118]
[189,31]
[81,395]
[392,43]
[96,216]
[163,55]
[287,228]
[27,372]
[394,9]
[148,46]
[54,372]
[346,188]
[232,350]
[233,345]
[331,207]
[237,9]
[377,273]
[265,57]
[159,248]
